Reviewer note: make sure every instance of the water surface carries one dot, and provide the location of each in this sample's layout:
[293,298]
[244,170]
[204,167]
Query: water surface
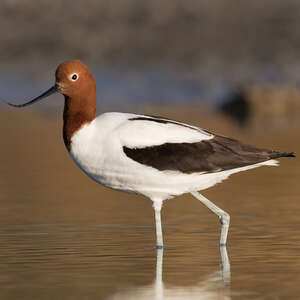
[65,237]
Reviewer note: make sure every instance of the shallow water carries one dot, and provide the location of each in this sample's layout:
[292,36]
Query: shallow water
[65,237]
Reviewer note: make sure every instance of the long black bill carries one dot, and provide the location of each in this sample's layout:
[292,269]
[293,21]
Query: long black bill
[49,92]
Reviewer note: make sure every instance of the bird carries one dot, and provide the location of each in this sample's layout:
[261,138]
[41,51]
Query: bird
[147,155]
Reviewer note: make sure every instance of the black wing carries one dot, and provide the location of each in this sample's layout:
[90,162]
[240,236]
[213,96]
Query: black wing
[214,155]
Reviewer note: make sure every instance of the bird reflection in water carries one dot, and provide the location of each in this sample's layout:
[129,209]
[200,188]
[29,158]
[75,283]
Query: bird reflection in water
[215,286]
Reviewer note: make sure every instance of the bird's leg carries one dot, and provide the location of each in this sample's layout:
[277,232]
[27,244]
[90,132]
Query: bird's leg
[224,216]
[159,286]
[159,236]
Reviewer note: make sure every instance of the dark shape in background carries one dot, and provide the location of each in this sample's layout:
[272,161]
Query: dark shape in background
[237,107]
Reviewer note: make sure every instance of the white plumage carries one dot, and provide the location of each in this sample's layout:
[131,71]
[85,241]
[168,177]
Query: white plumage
[97,148]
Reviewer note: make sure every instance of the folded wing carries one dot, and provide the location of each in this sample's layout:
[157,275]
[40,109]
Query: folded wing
[169,146]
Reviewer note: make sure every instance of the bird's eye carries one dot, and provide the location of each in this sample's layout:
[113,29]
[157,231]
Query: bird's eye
[74,77]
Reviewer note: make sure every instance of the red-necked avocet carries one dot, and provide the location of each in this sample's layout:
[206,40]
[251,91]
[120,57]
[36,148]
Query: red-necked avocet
[151,156]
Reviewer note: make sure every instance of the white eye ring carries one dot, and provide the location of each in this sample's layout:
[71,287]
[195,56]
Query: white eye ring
[74,76]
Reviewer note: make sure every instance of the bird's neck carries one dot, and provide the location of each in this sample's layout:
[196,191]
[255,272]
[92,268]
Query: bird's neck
[77,113]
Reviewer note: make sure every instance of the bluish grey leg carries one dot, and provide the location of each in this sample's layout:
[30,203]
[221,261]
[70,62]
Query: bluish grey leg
[159,236]
[223,216]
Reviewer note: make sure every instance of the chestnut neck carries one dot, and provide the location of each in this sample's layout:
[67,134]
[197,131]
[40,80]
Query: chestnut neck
[78,111]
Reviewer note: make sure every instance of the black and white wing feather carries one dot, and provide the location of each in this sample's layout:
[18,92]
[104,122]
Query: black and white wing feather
[172,146]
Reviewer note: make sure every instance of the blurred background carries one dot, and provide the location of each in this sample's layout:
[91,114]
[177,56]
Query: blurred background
[232,67]
[160,53]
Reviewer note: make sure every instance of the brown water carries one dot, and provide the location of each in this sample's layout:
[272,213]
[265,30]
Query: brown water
[65,237]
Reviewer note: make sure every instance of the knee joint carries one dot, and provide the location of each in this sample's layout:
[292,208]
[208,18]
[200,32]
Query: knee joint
[225,218]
